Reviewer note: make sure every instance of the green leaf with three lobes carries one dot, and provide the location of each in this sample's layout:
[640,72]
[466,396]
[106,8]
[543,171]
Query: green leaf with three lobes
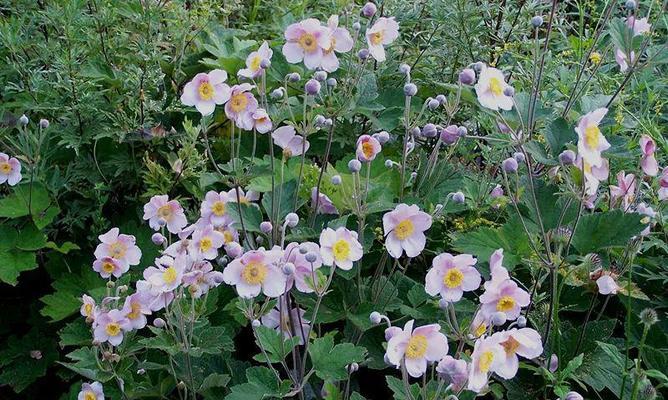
[276,346]
[262,383]
[604,230]
[330,361]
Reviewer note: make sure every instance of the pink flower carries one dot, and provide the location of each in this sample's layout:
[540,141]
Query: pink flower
[340,248]
[454,372]
[254,60]
[201,278]
[121,248]
[382,33]
[590,140]
[505,296]
[229,233]
[490,90]
[242,106]
[487,356]
[648,162]
[214,208]
[496,192]
[606,284]
[256,271]
[10,170]
[306,40]
[593,175]
[206,242]
[525,342]
[649,214]
[291,325]
[156,298]
[639,26]
[368,148]
[625,189]
[292,144]
[663,185]
[451,276]
[88,308]
[135,309]
[325,205]
[622,59]
[404,230]
[305,272]
[497,271]
[109,327]
[340,42]
[416,347]
[261,121]
[107,266]
[479,324]
[91,391]
[161,211]
[244,198]
[206,90]
[166,275]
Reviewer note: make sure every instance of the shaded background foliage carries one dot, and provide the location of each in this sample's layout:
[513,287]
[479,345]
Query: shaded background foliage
[108,75]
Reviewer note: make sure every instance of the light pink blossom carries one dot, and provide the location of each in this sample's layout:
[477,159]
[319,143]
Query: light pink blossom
[305,274]
[340,42]
[606,284]
[292,324]
[368,148]
[107,266]
[242,106]
[325,205]
[591,141]
[256,271]
[505,297]
[623,60]
[206,242]
[663,185]
[382,33]
[624,190]
[639,26]
[525,342]
[648,162]
[91,391]
[135,309]
[414,348]
[254,60]
[292,144]
[201,278]
[404,230]
[454,372]
[88,308]
[593,175]
[490,90]
[214,208]
[340,247]
[244,198]
[166,275]
[10,170]
[121,248]
[161,211]
[261,121]
[110,326]
[450,276]
[206,90]
[487,356]
[306,40]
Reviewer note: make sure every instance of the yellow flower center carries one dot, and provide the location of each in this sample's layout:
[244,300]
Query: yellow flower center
[135,307]
[376,38]
[595,57]
[238,102]
[255,63]
[169,276]
[495,86]
[205,244]
[587,168]
[341,250]
[511,345]
[116,250]
[108,267]
[206,91]
[506,303]
[592,136]
[88,395]
[367,149]
[287,153]
[228,237]
[308,42]
[404,229]
[417,346]
[481,329]
[5,168]
[165,212]
[254,273]
[453,278]
[88,309]
[112,329]
[218,208]
[485,361]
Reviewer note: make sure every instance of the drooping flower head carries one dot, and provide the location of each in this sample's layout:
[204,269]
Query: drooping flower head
[525,342]
[639,26]
[121,248]
[340,247]
[256,271]
[454,372]
[254,60]
[290,324]
[91,391]
[10,170]
[368,148]
[206,242]
[623,60]
[287,139]
[305,275]
[135,309]
[214,208]
[206,90]
[242,106]
[648,162]
[593,175]
[306,40]
[261,121]
[107,266]
[325,205]
[340,41]
[649,214]
[624,190]
[416,347]
[487,356]
[160,211]
[110,326]
[404,230]
[450,276]
[491,88]
[663,185]
[383,32]
[606,284]
[88,308]
[591,141]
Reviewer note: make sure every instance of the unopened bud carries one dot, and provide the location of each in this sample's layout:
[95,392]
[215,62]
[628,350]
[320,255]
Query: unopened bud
[159,323]
[554,363]
[375,317]
[266,227]
[292,219]
[410,89]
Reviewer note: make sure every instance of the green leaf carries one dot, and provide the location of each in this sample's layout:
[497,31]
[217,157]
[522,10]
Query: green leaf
[13,262]
[604,369]
[19,368]
[212,340]
[397,387]
[29,200]
[66,299]
[213,381]
[551,207]
[558,134]
[30,238]
[75,333]
[252,216]
[274,343]
[605,230]
[330,361]
[262,383]
[63,248]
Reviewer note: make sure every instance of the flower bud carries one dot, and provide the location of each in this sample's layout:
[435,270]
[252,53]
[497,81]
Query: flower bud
[433,104]
[303,248]
[329,122]
[357,26]
[312,87]
[336,180]
[416,132]
[292,219]
[375,318]
[354,165]
[331,82]
[405,69]
[462,131]
[266,227]
[630,5]
[509,165]
[23,120]
[353,367]
[294,77]
[44,123]
[479,66]
[414,175]
[111,284]
[467,76]
[265,63]
[277,94]
[363,54]
[159,323]
[429,130]
[158,239]
[573,396]
[233,249]
[319,120]
[320,76]
[288,269]
[498,318]
[443,304]
[311,257]
[389,164]
[36,354]
[181,385]
[441,99]
[458,198]
[519,157]
[222,261]
[509,91]
[256,323]
[369,10]
[567,157]
[410,89]
[537,21]
[449,134]
[382,137]
[554,363]
[521,321]
[141,371]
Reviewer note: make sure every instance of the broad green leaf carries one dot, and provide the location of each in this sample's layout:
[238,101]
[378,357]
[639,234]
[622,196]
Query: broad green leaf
[274,343]
[19,365]
[330,361]
[605,230]
[558,134]
[605,369]
[13,262]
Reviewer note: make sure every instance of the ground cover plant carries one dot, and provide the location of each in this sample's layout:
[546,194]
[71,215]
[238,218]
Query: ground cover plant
[333,200]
